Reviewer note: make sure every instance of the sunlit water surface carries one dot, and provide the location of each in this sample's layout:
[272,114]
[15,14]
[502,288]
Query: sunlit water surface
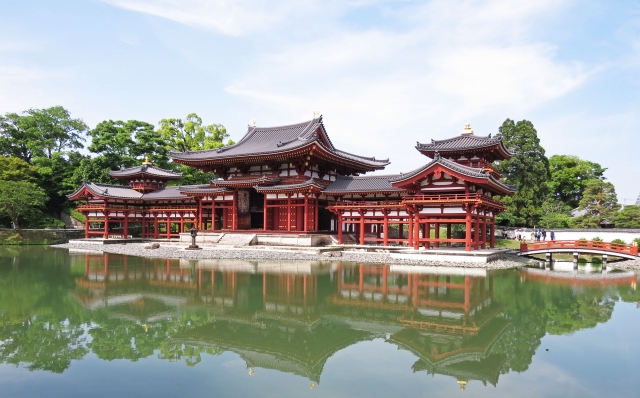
[95,325]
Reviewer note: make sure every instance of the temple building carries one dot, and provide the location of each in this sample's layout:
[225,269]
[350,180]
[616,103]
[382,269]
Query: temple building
[293,180]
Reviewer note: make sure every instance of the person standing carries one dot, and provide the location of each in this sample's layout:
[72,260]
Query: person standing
[544,234]
[552,236]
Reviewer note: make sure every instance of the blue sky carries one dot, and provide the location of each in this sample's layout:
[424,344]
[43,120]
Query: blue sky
[383,74]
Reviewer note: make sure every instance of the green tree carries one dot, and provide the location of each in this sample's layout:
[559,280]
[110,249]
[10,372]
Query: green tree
[15,169]
[126,144]
[600,203]
[555,214]
[629,217]
[21,200]
[528,169]
[17,138]
[55,130]
[570,176]
[192,135]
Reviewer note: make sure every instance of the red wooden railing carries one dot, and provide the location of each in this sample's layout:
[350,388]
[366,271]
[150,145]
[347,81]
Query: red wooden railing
[472,197]
[580,244]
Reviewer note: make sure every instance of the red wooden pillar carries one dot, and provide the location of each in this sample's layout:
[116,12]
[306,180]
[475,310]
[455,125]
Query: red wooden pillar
[86,225]
[264,214]
[199,215]
[476,232]
[306,213]
[416,230]
[106,223]
[467,238]
[126,225]
[289,212]
[316,210]
[436,244]
[449,234]
[484,229]
[339,226]
[168,225]
[410,230]
[362,213]
[234,211]
[386,227]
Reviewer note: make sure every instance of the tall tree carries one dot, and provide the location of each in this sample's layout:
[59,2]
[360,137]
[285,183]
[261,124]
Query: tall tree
[21,200]
[40,133]
[570,176]
[15,169]
[126,144]
[191,134]
[55,130]
[629,217]
[528,169]
[599,202]
[17,138]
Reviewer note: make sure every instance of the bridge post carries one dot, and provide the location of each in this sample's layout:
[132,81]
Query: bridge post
[575,260]
[604,261]
[549,257]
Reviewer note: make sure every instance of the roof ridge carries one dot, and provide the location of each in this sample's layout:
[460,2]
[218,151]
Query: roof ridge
[100,184]
[370,176]
[373,158]
[481,137]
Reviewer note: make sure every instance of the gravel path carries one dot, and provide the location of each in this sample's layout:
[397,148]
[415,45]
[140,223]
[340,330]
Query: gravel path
[267,253]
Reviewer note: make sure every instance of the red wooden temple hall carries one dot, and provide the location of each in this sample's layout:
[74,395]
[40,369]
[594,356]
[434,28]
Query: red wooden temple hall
[292,179]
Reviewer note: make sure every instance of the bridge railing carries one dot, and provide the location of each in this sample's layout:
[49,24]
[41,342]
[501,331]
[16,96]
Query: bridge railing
[580,244]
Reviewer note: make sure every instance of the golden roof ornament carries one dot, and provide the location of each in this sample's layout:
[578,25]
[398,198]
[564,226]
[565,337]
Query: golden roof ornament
[467,129]
[253,121]
[146,160]
[315,114]
[463,383]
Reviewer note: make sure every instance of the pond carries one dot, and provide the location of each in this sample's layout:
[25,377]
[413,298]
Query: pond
[78,324]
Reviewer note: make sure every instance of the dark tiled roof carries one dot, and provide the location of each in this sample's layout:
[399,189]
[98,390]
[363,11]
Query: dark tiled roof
[292,187]
[147,170]
[362,184]
[457,167]
[125,192]
[462,142]
[109,190]
[273,140]
[165,193]
[232,182]
[203,188]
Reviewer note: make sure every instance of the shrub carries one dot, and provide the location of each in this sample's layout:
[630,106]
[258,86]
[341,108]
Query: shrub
[596,239]
[620,241]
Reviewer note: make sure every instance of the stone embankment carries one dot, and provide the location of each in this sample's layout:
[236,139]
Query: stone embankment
[627,264]
[274,254]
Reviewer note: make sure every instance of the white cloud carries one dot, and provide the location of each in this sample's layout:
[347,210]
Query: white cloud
[231,17]
[434,66]
[452,61]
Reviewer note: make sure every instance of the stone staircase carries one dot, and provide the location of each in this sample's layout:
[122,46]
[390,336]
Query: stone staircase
[231,239]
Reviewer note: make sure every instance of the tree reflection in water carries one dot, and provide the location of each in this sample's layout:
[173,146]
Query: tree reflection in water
[291,317]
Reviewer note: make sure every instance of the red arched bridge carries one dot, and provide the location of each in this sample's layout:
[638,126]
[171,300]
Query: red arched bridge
[622,250]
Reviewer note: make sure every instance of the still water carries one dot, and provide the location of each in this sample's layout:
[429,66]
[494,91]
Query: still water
[91,324]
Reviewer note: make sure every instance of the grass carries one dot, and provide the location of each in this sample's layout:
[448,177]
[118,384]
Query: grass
[507,244]
[31,237]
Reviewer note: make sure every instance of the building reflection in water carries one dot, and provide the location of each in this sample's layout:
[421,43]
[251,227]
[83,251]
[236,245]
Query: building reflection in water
[293,317]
